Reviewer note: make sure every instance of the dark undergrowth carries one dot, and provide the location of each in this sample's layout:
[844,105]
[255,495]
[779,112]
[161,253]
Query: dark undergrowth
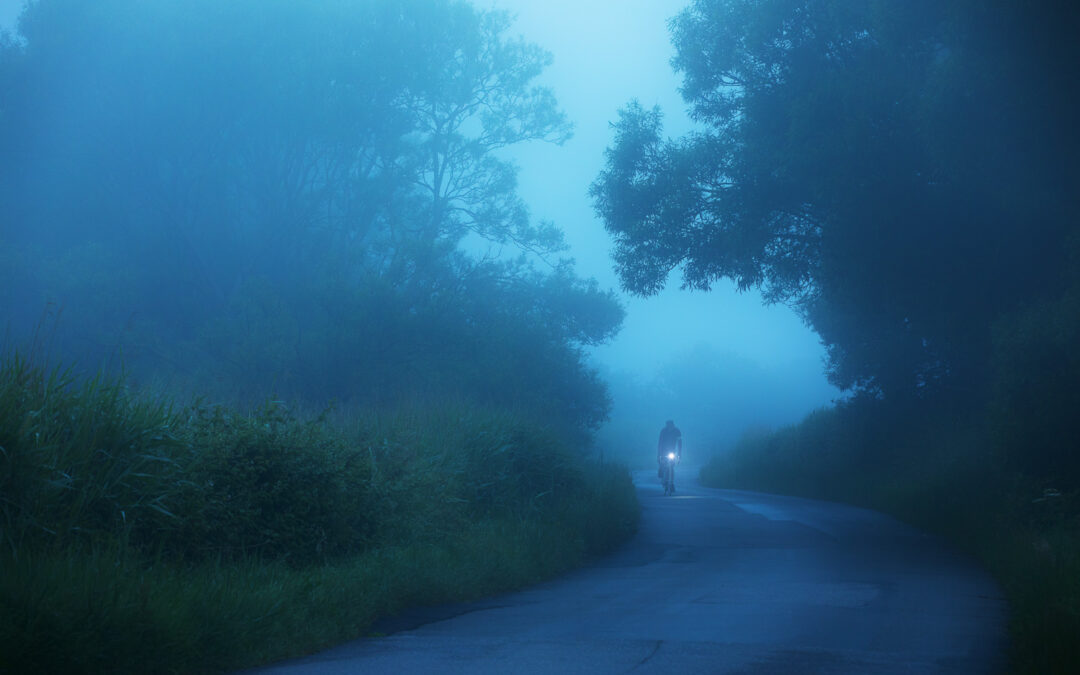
[941,470]
[142,537]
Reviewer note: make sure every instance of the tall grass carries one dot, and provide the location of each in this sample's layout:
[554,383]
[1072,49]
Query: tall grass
[937,469]
[79,461]
[143,537]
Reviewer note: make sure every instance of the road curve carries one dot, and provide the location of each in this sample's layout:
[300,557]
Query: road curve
[717,581]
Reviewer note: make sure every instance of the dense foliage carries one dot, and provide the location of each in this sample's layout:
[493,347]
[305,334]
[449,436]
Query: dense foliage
[86,461]
[306,198]
[141,537]
[898,171]
[1035,398]
[940,468]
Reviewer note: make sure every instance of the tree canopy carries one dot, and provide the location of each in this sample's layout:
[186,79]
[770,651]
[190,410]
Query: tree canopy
[277,195]
[896,171]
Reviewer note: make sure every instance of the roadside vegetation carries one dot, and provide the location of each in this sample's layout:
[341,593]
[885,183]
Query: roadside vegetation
[993,468]
[139,537]
[955,471]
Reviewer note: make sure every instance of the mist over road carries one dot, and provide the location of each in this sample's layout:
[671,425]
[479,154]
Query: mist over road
[718,581]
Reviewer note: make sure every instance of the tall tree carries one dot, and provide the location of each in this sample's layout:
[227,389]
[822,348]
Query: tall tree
[475,96]
[870,163]
[277,193]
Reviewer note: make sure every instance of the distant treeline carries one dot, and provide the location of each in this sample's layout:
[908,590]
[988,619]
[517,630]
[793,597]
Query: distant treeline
[304,198]
[714,398]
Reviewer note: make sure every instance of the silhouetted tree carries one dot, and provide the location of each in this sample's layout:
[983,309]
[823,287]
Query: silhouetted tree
[276,194]
[890,169]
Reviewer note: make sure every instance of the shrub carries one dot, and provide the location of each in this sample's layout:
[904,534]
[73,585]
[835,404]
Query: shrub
[147,540]
[270,485]
[80,462]
[936,469]
[1035,396]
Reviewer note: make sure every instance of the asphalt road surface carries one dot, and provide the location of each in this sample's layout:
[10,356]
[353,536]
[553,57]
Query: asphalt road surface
[717,581]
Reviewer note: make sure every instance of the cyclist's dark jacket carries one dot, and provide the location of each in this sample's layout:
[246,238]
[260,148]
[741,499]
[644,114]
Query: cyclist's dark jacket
[670,438]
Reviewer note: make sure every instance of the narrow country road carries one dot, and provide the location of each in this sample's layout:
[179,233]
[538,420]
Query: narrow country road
[718,581]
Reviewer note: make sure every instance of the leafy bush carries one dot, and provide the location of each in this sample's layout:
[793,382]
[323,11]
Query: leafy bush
[935,467]
[80,461]
[91,462]
[1035,397]
[269,485]
[139,539]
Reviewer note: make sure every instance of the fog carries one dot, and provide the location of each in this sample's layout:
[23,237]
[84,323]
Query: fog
[316,204]
[351,295]
[602,60]
[163,330]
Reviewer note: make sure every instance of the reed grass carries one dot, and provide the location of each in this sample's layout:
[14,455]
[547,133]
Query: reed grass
[143,537]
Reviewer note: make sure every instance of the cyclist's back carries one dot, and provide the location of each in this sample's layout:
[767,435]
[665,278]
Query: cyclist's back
[670,440]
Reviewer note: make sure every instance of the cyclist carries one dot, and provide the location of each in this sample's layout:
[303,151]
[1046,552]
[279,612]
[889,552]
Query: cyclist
[670,441]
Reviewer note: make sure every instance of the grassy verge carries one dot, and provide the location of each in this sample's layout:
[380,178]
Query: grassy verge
[137,537]
[939,474]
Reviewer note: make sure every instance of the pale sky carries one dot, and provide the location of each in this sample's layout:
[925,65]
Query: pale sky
[9,11]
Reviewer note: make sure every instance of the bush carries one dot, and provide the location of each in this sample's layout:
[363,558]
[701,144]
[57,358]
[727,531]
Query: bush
[139,539]
[269,485]
[934,467]
[80,462]
[1036,400]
